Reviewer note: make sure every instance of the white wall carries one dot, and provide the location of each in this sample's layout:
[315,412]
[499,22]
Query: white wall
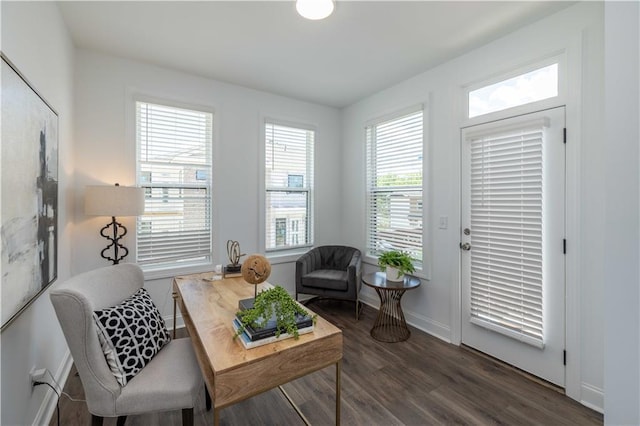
[35,39]
[434,306]
[105,153]
[622,251]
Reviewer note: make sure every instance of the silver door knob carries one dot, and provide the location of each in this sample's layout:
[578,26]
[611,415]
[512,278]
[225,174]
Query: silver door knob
[465,246]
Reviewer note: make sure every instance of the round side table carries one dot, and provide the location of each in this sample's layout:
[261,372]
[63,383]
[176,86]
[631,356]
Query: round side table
[390,325]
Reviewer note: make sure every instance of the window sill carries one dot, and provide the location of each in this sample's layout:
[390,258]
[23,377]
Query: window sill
[161,273]
[288,256]
[419,273]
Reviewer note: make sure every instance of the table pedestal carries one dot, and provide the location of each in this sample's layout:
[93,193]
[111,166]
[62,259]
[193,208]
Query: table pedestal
[390,325]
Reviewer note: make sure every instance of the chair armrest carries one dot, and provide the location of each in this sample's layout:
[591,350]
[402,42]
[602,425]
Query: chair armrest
[354,270]
[304,265]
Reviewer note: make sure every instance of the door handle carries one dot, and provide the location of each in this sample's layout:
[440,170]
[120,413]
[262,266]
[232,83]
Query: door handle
[465,246]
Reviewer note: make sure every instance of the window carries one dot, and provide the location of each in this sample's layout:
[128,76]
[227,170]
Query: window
[174,167]
[289,186]
[532,86]
[394,185]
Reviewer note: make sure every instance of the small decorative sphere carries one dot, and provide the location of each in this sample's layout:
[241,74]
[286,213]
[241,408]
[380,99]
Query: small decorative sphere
[256,269]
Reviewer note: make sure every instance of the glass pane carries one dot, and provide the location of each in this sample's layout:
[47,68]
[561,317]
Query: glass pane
[176,225]
[287,219]
[506,203]
[396,222]
[526,88]
[288,157]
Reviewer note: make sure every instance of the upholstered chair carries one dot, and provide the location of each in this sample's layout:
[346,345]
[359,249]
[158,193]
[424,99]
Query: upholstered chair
[333,272]
[171,380]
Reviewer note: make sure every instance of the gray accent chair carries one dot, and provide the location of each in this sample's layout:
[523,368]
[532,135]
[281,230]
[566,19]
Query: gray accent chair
[170,381]
[333,272]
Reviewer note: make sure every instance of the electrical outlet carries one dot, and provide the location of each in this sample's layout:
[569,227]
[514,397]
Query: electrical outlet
[37,375]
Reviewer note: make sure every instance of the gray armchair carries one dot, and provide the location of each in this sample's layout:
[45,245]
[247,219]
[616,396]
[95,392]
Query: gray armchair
[333,272]
[170,381]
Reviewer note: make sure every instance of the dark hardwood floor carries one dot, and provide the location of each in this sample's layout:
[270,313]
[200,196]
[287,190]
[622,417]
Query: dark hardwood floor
[422,381]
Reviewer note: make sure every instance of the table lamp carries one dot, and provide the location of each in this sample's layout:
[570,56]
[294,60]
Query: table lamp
[114,201]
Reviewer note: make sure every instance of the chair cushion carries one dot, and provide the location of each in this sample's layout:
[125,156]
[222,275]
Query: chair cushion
[131,334]
[171,381]
[329,279]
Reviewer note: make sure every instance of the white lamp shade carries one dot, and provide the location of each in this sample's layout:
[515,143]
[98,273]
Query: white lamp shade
[113,201]
[314,9]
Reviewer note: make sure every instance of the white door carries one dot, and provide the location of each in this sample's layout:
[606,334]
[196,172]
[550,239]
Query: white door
[512,241]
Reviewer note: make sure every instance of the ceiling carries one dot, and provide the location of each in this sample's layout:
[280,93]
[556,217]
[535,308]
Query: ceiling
[362,48]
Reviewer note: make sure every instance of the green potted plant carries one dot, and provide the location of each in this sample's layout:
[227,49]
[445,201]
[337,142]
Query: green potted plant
[395,263]
[274,303]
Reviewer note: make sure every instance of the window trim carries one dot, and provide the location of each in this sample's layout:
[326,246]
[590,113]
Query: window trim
[171,271]
[287,254]
[515,71]
[424,272]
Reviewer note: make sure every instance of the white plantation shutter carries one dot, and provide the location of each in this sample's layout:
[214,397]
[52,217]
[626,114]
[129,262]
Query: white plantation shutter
[394,185]
[174,167]
[507,204]
[289,186]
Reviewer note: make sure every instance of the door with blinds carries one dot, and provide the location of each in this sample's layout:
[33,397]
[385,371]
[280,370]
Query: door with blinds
[512,241]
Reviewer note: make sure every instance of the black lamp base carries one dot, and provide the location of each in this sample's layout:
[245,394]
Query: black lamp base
[114,231]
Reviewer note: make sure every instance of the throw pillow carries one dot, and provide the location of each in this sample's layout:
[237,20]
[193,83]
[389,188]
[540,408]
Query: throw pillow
[131,334]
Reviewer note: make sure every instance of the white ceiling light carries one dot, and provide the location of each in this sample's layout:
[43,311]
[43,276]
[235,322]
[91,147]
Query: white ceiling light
[314,9]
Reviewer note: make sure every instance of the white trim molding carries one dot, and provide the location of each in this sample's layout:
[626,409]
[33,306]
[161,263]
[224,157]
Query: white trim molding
[49,403]
[592,397]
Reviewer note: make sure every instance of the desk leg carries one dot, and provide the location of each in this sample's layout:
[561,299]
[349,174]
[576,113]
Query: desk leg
[338,397]
[216,416]
[175,296]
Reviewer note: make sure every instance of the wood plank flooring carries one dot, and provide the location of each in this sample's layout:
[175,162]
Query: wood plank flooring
[422,381]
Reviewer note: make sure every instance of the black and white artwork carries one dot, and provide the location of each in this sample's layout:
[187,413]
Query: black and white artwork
[29,197]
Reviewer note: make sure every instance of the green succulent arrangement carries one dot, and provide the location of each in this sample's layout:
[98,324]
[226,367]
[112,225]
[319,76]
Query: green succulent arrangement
[398,259]
[269,303]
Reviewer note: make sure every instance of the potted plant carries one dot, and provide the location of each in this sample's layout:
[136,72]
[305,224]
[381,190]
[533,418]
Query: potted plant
[273,304]
[395,263]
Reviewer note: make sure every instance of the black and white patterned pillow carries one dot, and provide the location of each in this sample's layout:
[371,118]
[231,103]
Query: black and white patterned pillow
[131,334]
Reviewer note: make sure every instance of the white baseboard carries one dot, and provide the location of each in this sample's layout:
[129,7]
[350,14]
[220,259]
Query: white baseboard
[592,397]
[169,322]
[435,328]
[48,406]
[429,326]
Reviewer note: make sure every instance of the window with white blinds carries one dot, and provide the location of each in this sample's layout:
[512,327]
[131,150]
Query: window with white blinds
[394,185]
[288,186]
[507,240]
[174,166]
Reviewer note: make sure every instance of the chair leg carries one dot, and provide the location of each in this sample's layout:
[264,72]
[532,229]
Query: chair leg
[121,420]
[207,399]
[187,417]
[96,420]
[359,308]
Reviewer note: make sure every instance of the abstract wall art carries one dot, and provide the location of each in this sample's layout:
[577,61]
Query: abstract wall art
[29,193]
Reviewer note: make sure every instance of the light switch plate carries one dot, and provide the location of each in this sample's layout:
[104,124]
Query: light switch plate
[444,222]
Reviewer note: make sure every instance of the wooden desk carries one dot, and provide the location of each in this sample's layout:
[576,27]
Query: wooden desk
[233,373]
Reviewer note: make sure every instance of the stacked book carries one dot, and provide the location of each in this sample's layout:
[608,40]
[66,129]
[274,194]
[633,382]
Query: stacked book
[252,337]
